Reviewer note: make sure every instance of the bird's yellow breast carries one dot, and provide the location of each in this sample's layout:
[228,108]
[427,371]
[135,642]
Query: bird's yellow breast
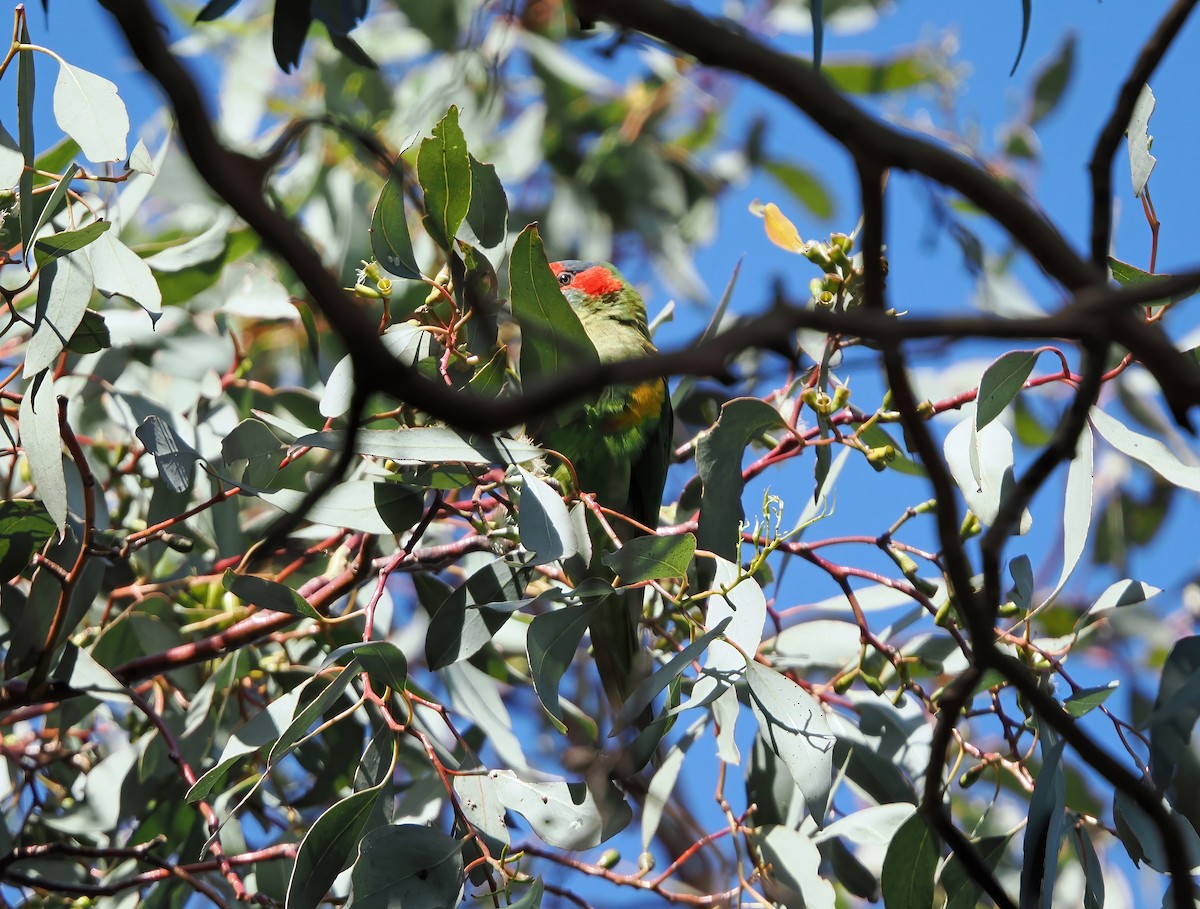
[645,401]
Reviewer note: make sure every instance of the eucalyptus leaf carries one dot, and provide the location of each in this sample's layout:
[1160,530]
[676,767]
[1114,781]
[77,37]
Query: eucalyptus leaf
[444,169]
[89,110]
[793,723]
[407,865]
[40,437]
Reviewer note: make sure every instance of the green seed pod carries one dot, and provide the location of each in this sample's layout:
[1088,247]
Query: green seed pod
[609,859]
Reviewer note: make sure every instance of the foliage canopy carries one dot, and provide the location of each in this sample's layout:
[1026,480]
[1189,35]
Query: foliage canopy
[292,612]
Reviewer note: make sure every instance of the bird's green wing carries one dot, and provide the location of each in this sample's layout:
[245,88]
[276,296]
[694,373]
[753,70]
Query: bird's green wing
[648,474]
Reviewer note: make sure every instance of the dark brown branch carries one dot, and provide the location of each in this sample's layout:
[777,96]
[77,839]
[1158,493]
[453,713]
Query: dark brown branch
[1118,121]
[958,565]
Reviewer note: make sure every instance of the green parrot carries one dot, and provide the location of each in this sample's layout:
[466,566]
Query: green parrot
[620,446]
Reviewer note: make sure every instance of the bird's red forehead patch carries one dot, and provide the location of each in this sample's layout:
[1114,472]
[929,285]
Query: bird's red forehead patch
[595,281]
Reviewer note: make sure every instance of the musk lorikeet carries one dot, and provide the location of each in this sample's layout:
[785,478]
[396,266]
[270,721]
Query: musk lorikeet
[619,444]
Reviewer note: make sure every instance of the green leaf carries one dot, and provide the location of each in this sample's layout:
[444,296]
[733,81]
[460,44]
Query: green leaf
[1001,382]
[532,898]
[328,695]
[444,169]
[407,865]
[543,521]
[652,558]
[371,507]
[25,526]
[962,889]
[1087,699]
[488,214]
[1141,837]
[1026,17]
[64,289]
[25,117]
[89,110]
[49,208]
[1093,871]
[909,866]
[1051,82]
[552,337]
[719,463]
[551,643]
[1044,832]
[793,723]
[1176,710]
[390,240]
[40,437]
[326,849]
[252,453]
[804,185]
[383,661]
[461,624]
[68,241]
[262,729]
[268,594]
[867,78]
[1125,274]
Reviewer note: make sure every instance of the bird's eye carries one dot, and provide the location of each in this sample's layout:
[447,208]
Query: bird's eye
[565,278]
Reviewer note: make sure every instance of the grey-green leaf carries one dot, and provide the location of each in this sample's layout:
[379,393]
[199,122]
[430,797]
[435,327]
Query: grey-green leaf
[176,459]
[564,815]
[544,521]
[64,289]
[326,849]
[358,504]
[407,865]
[118,270]
[1044,832]
[38,417]
[793,723]
[1138,139]
[427,445]
[719,462]
[89,110]
[552,641]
